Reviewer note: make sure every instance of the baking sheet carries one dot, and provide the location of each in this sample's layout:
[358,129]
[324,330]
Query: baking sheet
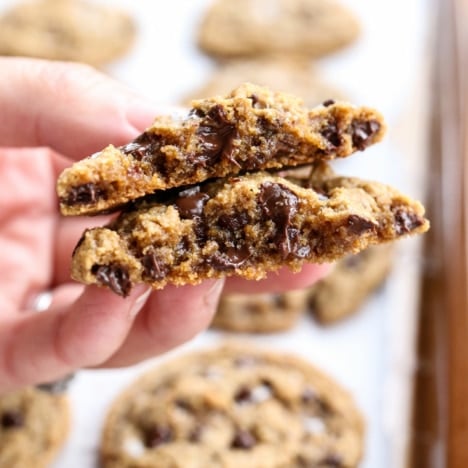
[372,354]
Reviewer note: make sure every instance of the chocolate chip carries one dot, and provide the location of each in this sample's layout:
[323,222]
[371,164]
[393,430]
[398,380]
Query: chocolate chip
[279,204]
[256,102]
[85,194]
[405,221]
[332,134]
[57,386]
[358,225]
[154,268]
[243,395]
[183,404]
[328,102]
[158,435]
[12,419]
[115,276]
[332,460]
[190,203]
[362,131]
[229,259]
[234,222]
[243,439]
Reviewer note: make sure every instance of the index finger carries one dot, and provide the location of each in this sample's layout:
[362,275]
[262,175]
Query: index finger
[68,107]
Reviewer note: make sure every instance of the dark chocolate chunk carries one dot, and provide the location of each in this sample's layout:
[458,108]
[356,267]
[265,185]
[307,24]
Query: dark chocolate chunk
[191,205]
[243,395]
[405,222]
[358,225]
[57,386]
[85,194]
[256,103]
[280,204]
[154,268]
[12,419]
[328,102]
[234,222]
[115,276]
[332,134]
[229,259]
[332,460]
[243,439]
[158,435]
[362,131]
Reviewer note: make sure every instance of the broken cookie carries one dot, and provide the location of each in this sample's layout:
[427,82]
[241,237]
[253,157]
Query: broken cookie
[251,129]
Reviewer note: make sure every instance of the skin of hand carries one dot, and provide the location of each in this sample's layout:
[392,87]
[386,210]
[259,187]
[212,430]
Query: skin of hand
[52,114]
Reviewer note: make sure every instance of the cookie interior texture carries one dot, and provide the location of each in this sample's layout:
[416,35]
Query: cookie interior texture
[76,30]
[33,427]
[259,313]
[231,407]
[252,128]
[310,28]
[246,226]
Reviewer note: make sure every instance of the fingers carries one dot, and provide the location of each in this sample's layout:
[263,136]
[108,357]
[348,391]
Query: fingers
[280,281]
[38,347]
[169,318]
[69,107]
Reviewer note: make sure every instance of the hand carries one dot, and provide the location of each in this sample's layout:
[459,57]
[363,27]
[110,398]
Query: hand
[52,114]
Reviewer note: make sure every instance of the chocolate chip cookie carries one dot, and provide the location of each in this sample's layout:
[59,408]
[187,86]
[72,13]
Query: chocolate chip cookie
[75,30]
[33,427]
[245,225]
[259,313]
[233,407]
[354,278]
[252,128]
[291,76]
[309,28]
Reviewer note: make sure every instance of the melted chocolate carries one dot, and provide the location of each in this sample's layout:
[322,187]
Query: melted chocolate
[362,131]
[405,221]
[115,276]
[84,194]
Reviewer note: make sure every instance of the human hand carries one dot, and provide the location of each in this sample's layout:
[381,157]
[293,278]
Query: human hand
[52,114]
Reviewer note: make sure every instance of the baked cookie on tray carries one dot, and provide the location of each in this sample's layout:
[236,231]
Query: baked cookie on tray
[353,279]
[292,76]
[252,128]
[33,426]
[311,28]
[259,313]
[75,30]
[233,406]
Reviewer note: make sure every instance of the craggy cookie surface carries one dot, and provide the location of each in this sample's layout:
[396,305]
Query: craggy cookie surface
[77,30]
[252,128]
[246,225]
[33,426]
[259,313]
[309,28]
[292,76]
[353,279]
[233,407]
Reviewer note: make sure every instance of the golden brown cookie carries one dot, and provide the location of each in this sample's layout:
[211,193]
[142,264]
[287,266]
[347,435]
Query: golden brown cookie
[353,279]
[311,28]
[250,129]
[291,76]
[259,313]
[75,30]
[234,406]
[33,426]
[246,226]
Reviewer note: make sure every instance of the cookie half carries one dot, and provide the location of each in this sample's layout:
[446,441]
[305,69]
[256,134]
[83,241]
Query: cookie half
[310,28]
[233,407]
[246,226]
[253,128]
[353,279]
[33,427]
[259,313]
[75,30]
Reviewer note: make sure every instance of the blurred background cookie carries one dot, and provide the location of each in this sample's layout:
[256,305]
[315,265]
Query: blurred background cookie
[292,76]
[353,279]
[75,30]
[33,426]
[310,28]
[259,313]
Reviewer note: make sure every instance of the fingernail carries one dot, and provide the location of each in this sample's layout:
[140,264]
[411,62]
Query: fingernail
[211,296]
[139,302]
